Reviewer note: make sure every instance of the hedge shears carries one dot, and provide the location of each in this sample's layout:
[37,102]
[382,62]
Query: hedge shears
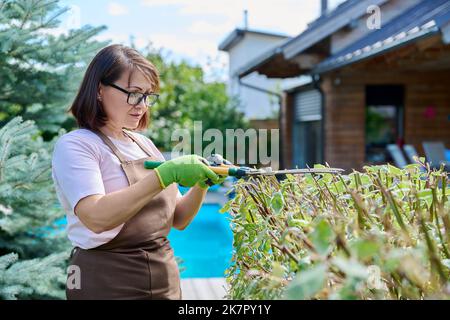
[223,167]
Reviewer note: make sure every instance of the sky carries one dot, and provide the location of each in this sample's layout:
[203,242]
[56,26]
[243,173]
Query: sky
[189,29]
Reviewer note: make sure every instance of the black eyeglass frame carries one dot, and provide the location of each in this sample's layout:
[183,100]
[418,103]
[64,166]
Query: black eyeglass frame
[143,95]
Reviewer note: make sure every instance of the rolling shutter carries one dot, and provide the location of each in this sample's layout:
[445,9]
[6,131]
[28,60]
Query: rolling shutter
[307,106]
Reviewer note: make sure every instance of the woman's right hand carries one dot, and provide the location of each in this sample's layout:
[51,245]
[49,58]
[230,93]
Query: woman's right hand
[185,170]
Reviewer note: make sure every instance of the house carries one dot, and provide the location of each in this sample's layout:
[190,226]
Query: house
[258,95]
[370,86]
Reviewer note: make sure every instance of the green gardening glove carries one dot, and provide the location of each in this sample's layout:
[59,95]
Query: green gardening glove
[214,160]
[185,170]
[205,184]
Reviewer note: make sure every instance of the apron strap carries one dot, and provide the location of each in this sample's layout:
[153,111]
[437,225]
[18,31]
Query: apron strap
[141,145]
[111,145]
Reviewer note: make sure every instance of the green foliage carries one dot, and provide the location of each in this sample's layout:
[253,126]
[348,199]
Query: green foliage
[376,126]
[40,71]
[40,278]
[39,74]
[383,233]
[187,97]
[27,213]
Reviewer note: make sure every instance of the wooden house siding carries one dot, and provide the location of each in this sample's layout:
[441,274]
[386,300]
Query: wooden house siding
[345,111]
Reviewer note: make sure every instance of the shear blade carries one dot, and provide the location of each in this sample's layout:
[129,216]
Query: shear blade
[295,171]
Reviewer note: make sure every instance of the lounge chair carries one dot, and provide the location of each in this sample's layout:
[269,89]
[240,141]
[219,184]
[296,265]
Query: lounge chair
[435,153]
[397,155]
[410,152]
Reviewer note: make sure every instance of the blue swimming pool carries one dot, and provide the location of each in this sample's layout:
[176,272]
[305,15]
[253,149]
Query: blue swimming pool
[205,245]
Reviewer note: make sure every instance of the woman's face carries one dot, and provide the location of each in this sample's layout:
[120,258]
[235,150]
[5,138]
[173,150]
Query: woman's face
[120,114]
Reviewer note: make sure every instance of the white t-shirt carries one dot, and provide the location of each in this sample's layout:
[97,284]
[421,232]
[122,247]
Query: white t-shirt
[83,165]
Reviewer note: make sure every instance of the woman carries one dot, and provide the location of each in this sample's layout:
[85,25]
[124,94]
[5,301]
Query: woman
[119,213]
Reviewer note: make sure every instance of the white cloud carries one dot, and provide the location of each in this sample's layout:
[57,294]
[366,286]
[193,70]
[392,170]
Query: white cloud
[186,46]
[211,20]
[117,9]
[288,16]
[119,38]
[141,42]
[196,49]
[71,19]
[203,27]
[151,3]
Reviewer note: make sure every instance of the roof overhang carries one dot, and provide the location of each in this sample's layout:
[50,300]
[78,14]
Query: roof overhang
[285,58]
[378,48]
[410,27]
[323,29]
[273,65]
[234,37]
[302,54]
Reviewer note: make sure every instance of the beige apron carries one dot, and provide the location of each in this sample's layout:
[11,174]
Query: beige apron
[139,262]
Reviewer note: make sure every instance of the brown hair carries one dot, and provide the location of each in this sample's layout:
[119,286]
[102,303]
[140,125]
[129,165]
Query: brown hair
[106,67]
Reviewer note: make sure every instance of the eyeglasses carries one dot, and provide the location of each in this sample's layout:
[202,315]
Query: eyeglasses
[134,98]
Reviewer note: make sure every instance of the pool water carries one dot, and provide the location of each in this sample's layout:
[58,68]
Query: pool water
[205,246]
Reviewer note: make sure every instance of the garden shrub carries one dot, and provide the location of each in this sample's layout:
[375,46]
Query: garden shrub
[383,233]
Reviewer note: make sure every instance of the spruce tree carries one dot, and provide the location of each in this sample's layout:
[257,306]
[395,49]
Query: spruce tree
[40,71]
[28,210]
